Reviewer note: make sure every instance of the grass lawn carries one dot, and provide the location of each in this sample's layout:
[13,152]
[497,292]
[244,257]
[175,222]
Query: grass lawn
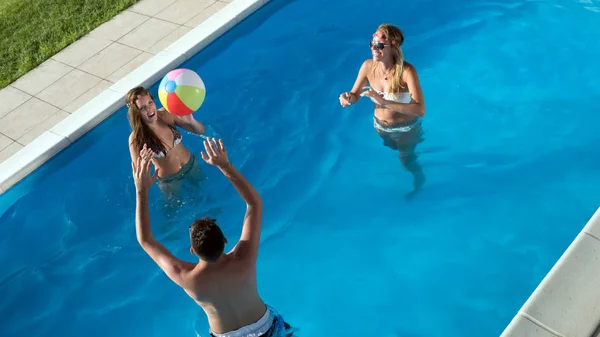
[32,31]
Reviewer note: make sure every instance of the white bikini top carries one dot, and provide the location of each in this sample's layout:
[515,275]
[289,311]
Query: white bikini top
[399,97]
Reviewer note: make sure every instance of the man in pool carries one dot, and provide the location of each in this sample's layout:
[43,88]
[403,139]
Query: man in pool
[222,284]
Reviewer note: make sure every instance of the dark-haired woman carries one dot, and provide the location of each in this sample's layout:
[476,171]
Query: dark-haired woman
[156,128]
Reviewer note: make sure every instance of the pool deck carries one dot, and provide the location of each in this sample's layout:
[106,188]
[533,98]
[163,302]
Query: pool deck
[567,301]
[53,105]
[57,88]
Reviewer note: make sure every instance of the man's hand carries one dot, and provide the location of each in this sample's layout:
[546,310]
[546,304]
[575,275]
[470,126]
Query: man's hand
[141,170]
[216,154]
[247,246]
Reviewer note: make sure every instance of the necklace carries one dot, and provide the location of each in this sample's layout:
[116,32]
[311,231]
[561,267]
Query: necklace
[386,74]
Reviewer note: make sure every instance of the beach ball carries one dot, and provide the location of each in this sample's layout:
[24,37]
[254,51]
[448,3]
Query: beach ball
[181,92]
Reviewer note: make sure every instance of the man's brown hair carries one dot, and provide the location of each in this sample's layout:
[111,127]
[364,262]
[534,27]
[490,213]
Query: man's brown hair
[207,239]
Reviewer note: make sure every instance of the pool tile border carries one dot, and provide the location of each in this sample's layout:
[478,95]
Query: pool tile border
[38,152]
[89,115]
[567,301]
[216,25]
[51,142]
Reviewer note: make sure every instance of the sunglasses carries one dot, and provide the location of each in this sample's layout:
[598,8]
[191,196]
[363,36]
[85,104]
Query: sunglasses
[378,45]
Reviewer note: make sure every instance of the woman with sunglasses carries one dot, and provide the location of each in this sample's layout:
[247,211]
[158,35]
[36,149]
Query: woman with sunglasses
[396,91]
[156,129]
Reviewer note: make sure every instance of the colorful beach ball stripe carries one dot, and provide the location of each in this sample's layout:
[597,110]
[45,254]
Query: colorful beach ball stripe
[181,92]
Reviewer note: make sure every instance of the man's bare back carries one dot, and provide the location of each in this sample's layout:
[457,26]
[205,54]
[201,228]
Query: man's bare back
[227,292]
[223,284]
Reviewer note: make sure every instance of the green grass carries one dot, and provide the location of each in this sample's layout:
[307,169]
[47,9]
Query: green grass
[32,31]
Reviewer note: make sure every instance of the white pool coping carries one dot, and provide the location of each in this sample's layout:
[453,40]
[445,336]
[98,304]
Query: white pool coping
[565,304]
[33,155]
[567,301]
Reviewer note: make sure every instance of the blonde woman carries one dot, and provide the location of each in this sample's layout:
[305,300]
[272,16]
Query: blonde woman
[156,129]
[396,91]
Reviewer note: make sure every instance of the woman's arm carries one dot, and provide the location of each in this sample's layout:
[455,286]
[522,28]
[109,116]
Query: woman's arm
[133,150]
[188,122]
[362,79]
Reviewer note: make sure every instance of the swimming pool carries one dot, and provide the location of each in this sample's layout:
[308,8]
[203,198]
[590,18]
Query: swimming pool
[510,156]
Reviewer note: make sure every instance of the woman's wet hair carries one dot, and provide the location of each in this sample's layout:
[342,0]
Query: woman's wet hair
[141,133]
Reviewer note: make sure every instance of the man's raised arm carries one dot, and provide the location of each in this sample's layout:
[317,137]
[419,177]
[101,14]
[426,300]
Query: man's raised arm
[216,155]
[172,266]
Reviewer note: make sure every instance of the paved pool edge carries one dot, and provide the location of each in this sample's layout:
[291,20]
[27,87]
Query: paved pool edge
[52,141]
[566,303]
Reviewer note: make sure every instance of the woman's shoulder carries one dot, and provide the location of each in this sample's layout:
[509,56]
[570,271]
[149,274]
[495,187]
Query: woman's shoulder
[162,112]
[409,72]
[165,116]
[409,67]
[368,63]
[132,139]
[366,67]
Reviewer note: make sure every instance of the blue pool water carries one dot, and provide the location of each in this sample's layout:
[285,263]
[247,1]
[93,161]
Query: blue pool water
[510,155]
